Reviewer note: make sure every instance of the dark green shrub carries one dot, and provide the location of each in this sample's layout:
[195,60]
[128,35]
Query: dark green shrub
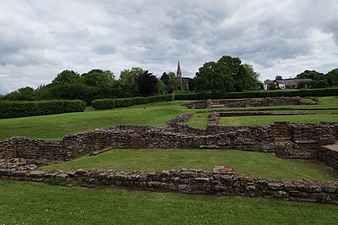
[124,102]
[103,103]
[11,109]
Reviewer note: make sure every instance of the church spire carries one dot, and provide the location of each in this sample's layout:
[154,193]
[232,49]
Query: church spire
[179,75]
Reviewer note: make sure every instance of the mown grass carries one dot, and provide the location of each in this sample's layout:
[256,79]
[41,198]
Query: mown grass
[254,164]
[200,120]
[54,127]
[34,203]
[260,120]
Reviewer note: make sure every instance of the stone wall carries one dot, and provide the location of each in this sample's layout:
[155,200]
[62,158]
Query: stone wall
[250,102]
[188,181]
[329,155]
[286,140]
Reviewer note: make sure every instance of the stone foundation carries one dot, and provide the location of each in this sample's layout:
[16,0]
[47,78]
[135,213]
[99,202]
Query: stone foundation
[188,181]
[329,155]
[286,140]
[250,102]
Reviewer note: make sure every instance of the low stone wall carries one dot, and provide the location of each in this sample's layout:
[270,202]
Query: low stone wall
[329,155]
[286,140]
[229,103]
[188,181]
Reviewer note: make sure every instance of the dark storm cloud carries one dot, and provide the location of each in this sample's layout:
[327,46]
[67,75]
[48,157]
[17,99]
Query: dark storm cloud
[41,38]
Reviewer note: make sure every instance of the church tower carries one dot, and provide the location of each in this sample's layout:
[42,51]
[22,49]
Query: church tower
[179,75]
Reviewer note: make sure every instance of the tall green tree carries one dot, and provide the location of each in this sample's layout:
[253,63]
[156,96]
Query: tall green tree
[332,77]
[147,83]
[97,77]
[171,81]
[66,77]
[227,74]
[128,80]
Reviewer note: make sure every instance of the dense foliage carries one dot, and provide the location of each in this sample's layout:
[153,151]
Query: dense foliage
[219,78]
[319,80]
[96,84]
[123,102]
[227,74]
[147,83]
[11,109]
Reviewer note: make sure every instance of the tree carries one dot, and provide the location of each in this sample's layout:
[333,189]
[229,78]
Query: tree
[227,74]
[332,77]
[97,77]
[66,77]
[278,78]
[171,81]
[214,77]
[146,83]
[128,80]
[26,93]
[311,74]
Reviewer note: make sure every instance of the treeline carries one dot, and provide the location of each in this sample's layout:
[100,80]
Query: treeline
[97,84]
[227,74]
[319,80]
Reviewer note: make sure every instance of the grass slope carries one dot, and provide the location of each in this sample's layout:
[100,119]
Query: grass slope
[34,203]
[254,164]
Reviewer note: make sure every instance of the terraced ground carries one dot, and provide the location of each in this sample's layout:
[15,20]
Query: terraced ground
[33,203]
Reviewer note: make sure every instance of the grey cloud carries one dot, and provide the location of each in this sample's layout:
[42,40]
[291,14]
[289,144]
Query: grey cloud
[41,38]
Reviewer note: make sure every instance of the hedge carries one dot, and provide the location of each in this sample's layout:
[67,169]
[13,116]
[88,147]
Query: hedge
[123,102]
[259,94]
[11,109]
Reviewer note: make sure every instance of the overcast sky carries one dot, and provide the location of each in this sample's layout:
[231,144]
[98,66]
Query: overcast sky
[39,39]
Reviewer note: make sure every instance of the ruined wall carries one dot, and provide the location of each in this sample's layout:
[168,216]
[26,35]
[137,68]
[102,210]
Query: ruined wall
[286,140]
[329,155]
[190,182]
[229,103]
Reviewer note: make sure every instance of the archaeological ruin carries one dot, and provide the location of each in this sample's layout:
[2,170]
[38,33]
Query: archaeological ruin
[21,157]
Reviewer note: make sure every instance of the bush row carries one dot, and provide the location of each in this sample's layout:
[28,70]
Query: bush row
[259,94]
[123,102]
[11,109]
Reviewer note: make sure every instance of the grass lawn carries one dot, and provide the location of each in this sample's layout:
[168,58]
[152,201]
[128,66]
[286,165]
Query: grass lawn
[200,120]
[254,164]
[260,120]
[54,127]
[35,203]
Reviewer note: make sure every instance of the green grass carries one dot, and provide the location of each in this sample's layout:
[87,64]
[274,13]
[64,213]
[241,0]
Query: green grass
[54,127]
[254,164]
[35,203]
[260,120]
[199,120]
